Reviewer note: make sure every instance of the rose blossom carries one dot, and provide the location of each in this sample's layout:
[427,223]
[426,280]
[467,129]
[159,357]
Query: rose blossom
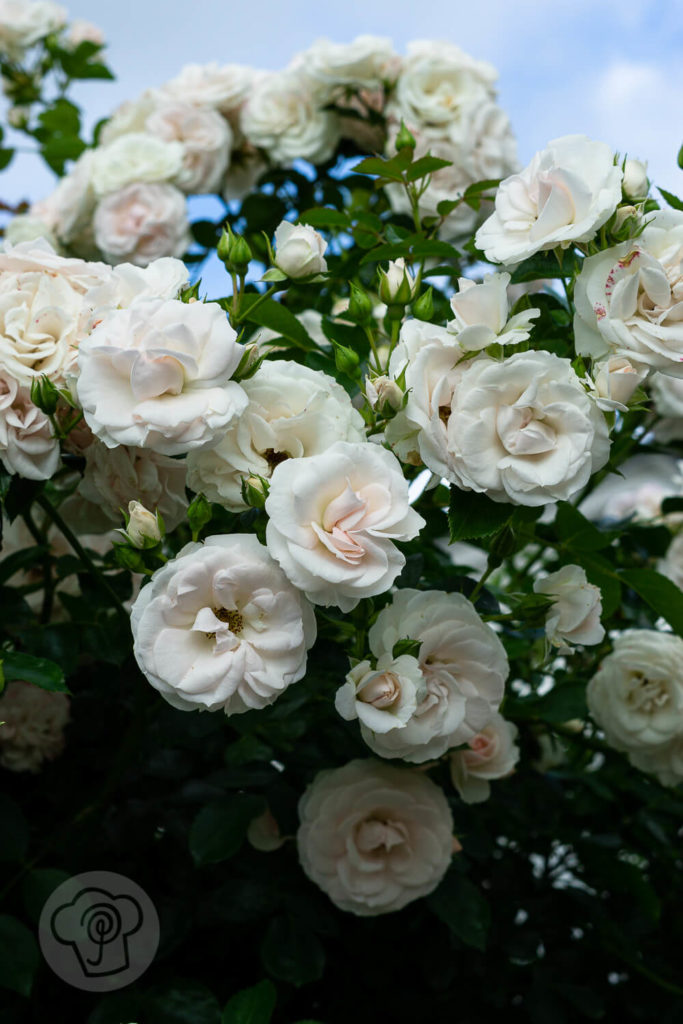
[299,250]
[644,482]
[82,31]
[142,525]
[69,209]
[672,563]
[636,697]
[32,723]
[374,837]
[114,476]
[567,192]
[283,118]
[219,627]
[225,88]
[134,158]
[142,223]
[333,520]
[384,697]
[362,64]
[29,227]
[293,412]
[45,309]
[521,430]
[616,378]
[491,754]
[206,138]
[482,311]
[157,375]
[463,666]
[22,24]
[635,183]
[629,299]
[574,617]
[27,445]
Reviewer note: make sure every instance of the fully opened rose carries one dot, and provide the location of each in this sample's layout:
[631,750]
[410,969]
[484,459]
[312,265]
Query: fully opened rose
[219,627]
[333,519]
[157,376]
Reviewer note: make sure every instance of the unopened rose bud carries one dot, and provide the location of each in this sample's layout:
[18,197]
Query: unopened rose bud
[299,250]
[264,833]
[255,491]
[82,31]
[397,285]
[616,378]
[405,139]
[423,308]
[234,252]
[359,309]
[635,182]
[44,394]
[346,360]
[626,220]
[383,391]
[143,526]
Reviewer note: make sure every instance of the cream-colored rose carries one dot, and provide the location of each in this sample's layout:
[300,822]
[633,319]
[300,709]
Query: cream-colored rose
[374,837]
[223,87]
[299,250]
[32,723]
[45,309]
[28,227]
[397,283]
[142,526]
[27,444]
[615,380]
[567,192]
[69,209]
[333,519]
[157,375]
[206,138]
[636,697]
[629,299]
[142,223]
[282,117]
[463,665]
[24,22]
[491,754]
[113,476]
[482,314]
[672,563]
[293,412]
[522,430]
[219,627]
[577,605]
[365,63]
[384,697]
[381,391]
[135,158]
[644,481]
[635,183]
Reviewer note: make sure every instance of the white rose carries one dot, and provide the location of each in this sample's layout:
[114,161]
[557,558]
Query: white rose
[577,605]
[381,391]
[225,88]
[567,192]
[45,309]
[142,223]
[481,314]
[32,723]
[374,837]
[665,762]
[644,482]
[282,117]
[629,298]
[397,282]
[27,444]
[246,167]
[521,430]
[113,476]
[164,278]
[672,563]
[616,378]
[29,227]
[293,412]
[635,184]
[143,525]
[299,250]
[130,117]
[384,697]
[363,64]
[157,375]
[464,668]
[636,696]
[206,138]
[220,628]
[69,209]
[22,24]
[667,396]
[333,520]
[138,157]
[437,81]
[491,754]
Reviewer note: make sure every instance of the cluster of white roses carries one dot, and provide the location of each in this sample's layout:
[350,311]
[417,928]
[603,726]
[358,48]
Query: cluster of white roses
[216,129]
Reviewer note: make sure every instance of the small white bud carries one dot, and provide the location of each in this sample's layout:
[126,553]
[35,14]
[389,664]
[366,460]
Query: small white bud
[635,183]
[142,525]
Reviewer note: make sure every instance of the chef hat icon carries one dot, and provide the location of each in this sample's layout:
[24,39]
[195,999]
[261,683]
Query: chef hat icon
[97,925]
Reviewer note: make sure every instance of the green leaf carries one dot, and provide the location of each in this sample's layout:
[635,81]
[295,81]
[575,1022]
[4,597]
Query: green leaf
[324,217]
[671,199]
[219,829]
[392,169]
[292,952]
[13,828]
[426,165]
[663,596]
[460,904]
[20,956]
[278,318]
[5,157]
[473,515]
[406,646]
[39,671]
[253,1005]
[575,531]
[564,702]
[185,1003]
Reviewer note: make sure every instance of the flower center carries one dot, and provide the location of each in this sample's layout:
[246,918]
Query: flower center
[521,433]
[646,695]
[377,835]
[231,617]
[381,691]
[274,458]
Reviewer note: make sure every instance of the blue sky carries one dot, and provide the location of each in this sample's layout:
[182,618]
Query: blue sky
[612,69]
